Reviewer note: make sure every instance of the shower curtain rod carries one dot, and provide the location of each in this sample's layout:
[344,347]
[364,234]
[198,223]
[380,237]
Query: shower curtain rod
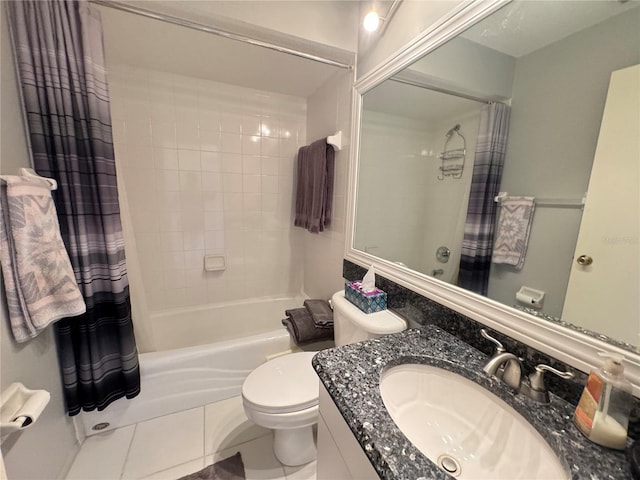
[443,90]
[216,31]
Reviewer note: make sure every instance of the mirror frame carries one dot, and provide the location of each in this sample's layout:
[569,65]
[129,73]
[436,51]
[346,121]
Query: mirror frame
[569,346]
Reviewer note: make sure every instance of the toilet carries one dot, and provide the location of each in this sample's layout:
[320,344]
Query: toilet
[282,394]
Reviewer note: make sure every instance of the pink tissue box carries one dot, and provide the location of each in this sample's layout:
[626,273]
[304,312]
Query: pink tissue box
[368,302]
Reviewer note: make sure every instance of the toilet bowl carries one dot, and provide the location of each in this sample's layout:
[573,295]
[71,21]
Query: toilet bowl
[282,394]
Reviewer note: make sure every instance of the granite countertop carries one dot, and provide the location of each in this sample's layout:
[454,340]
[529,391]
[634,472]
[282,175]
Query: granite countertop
[351,375]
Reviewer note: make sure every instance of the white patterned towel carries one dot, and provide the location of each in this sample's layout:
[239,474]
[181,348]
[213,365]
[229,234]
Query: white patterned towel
[514,227]
[38,277]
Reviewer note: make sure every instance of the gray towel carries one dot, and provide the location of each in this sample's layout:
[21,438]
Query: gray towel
[39,280]
[303,329]
[320,311]
[514,227]
[314,191]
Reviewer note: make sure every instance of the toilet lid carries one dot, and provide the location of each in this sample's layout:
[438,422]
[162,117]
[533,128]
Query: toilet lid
[283,384]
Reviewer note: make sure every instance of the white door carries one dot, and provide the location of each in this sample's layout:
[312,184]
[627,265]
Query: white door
[604,296]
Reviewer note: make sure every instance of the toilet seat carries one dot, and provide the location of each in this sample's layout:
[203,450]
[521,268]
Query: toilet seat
[282,385]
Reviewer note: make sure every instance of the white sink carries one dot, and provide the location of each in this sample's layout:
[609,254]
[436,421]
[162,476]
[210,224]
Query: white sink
[464,428]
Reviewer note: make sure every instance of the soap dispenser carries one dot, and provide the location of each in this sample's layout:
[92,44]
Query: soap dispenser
[602,414]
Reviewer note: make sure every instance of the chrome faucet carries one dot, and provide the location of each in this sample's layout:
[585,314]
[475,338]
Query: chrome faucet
[508,368]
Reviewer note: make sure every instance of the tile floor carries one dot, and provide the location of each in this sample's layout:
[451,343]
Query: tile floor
[175,445]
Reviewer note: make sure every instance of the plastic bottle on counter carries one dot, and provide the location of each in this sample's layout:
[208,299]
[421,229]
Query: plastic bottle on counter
[602,414]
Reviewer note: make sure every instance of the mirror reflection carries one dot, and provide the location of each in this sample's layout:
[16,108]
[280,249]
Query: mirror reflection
[506,162]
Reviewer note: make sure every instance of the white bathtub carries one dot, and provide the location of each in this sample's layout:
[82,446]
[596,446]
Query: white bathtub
[229,341]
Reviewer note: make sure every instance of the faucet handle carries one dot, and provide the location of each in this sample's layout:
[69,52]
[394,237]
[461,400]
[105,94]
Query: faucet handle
[499,347]
[536,379]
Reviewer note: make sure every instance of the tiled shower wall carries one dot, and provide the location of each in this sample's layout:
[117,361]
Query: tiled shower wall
[208,169]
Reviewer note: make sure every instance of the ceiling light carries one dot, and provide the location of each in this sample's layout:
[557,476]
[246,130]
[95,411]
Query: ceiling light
[371,22]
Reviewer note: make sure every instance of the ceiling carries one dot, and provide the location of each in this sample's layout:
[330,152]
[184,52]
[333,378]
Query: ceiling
[134,40]
[525,26]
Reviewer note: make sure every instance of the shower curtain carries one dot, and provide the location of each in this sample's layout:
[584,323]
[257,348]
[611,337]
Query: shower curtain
[477,243]
[58,46]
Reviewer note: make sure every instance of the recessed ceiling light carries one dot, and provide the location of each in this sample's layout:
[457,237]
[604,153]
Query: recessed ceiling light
[371,21]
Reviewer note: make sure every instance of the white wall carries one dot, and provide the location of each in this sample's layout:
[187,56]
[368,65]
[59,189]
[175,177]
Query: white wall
[558,99]
[329,110]
[46,449]
[208,169]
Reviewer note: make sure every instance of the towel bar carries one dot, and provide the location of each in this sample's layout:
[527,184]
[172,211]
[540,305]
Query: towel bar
[550,202]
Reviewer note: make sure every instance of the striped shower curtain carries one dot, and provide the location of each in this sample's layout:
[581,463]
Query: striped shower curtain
[59,51]
[477,244]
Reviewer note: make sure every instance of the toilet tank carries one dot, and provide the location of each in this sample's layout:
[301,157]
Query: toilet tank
[350,324]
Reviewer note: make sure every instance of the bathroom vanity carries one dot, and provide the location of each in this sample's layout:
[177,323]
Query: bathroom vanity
[357,437]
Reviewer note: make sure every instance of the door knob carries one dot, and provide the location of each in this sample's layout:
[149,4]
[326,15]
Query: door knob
[584,260]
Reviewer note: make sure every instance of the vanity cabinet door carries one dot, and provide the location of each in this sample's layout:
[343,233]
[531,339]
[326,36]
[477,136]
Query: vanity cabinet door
[340,456]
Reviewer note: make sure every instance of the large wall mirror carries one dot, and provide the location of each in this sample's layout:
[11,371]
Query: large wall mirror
[568,73]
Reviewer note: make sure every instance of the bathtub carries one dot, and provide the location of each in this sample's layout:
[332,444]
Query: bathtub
[204,354]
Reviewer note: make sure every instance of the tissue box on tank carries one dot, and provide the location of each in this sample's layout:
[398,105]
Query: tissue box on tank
[368,302]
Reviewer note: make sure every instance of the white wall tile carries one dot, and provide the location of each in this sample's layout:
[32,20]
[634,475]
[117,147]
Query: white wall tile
[168,201]
[190,181]
[165,158]
[252,202]
[193,240]
[209,164]
[212,182]
[172,241]
[251,144]
[193,262]
[214,241]
[270,127]
[210,139]
[139,156]
[138,132]
[269,165]
[211,161]
[233,202]
[189,160]
[231,163]
[214,220]
[188,136]
[163,134]
[251,165]
[230,142]
[251,125]
[174,278]
[270,147]
[231,124]
[171,221]
[269,184]
[269,202]
[251,183]
[232,182]
[168,180]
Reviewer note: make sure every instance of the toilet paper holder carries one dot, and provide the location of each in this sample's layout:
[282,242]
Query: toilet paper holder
[20,407]
[530,296]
